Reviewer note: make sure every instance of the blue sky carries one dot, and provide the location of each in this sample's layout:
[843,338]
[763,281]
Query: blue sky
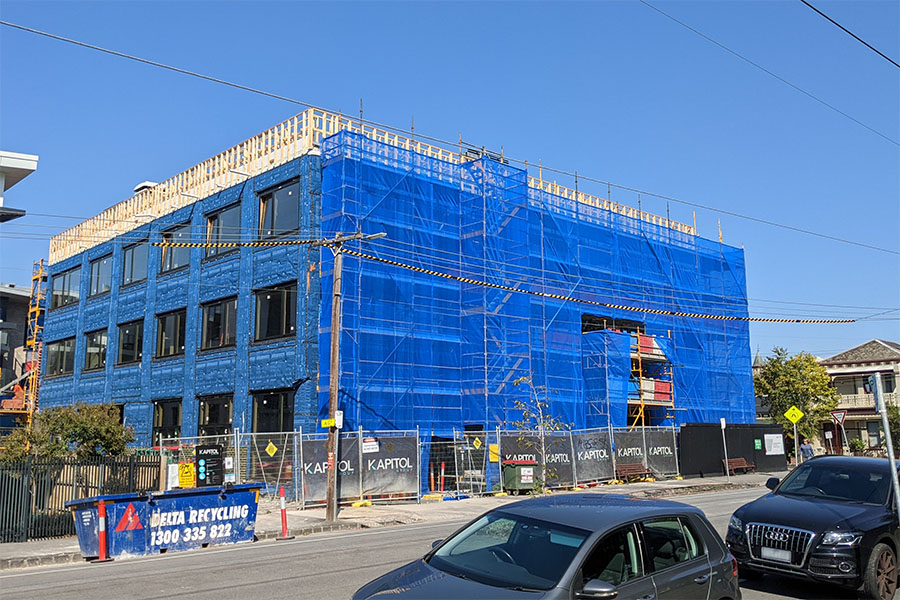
[612,90]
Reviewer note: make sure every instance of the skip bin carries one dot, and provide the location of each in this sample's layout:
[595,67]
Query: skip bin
[519,475]
[153,523]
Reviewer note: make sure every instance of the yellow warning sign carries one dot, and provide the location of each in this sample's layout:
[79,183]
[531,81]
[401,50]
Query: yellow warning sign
[326,423]
[271,449]
[185,475]
[793,414]
[477,443]
[494,452]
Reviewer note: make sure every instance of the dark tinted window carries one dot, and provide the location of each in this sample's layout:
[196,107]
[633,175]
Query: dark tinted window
[669,543]
[95,350]
[507,550]
[166,420]
[279,211]
[101,275]
[131,339]
[61,357]
[174,257]
[276,312]
[65,289]
[273,412]
[134,264]
[170,334]
[215,416]
[219,324]
[223,227]
[615,559]
[854,483]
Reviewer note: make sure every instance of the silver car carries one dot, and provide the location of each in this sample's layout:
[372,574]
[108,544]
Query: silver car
[570,547]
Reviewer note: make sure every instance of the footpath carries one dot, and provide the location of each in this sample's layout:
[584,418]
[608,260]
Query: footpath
[312,520]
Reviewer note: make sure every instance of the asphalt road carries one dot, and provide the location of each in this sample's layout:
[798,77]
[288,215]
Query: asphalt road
[322,566]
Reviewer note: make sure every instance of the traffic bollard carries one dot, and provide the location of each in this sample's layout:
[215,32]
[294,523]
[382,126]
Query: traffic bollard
[284,529]
[442,476]
[101,530]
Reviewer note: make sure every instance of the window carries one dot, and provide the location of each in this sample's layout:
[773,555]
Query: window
[279,211]
[95,350]
[134,264]
[219,324]
[615,559]
[669,543]
[166,420]
[174,257]
[170,333]
[66,288]
[61,357]
[276,312]
[273,412]
[215,416]
[222,227]
[131,339]
[101,275]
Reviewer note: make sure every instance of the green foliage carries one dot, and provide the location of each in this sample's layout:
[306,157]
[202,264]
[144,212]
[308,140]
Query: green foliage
[893,414]
[857,445]
[537,420]
[800,381]
[81,429]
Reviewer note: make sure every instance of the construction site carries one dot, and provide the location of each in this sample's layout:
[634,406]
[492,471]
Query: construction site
[202,305]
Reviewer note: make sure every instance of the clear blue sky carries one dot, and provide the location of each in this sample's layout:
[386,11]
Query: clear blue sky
[613,90]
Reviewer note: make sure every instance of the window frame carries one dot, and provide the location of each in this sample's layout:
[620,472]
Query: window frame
[641,554]
[128,267]
[139,346]
[180,333]
[286,399]
[103,352]
[203,413]
[159,411]
[167,252]
[212,230]
[265,198]
[92,292]
[648,558]
[66,277]
[204,321]
[69,357]
[288,290]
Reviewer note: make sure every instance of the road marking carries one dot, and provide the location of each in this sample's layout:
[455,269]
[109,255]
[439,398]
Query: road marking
[206,552]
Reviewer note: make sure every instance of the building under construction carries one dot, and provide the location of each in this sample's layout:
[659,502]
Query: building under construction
[200,307]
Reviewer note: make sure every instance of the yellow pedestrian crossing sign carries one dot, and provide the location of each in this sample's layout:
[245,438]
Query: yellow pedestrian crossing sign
[271,449]
[793,414]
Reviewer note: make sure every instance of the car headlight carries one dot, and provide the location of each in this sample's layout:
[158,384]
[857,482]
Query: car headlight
[735,523]
[841,538]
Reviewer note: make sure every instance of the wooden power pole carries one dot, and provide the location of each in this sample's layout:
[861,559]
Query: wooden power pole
[334,372]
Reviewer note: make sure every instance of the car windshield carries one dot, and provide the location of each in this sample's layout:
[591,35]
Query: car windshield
[849,483]
[510,551]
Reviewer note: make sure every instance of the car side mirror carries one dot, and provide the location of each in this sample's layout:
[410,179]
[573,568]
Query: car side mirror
[772,482]
[436,543]
[596,589]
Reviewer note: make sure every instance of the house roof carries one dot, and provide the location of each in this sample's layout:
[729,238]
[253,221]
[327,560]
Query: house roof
[871,351]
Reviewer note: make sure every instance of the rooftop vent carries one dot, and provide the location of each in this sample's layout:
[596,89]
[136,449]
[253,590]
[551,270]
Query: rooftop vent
[144,185]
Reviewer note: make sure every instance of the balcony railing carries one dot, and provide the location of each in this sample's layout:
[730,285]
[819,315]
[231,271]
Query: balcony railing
[866,400]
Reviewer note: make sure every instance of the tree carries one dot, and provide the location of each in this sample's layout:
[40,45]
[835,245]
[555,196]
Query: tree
[537,420]
[84,430]
[800,381]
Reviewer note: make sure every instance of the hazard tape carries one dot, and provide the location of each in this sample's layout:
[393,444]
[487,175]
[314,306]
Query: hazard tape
[260,244]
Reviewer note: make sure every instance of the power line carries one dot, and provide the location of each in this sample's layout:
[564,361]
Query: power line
[853,35]
[770,73]
[511,159]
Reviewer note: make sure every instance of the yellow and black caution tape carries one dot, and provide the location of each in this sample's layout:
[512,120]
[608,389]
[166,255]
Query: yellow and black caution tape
[584,301]
[258,244]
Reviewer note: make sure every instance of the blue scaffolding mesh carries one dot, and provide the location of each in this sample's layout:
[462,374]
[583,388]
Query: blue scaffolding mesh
[421,350]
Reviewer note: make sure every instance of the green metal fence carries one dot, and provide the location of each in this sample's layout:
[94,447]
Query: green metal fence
[33,493]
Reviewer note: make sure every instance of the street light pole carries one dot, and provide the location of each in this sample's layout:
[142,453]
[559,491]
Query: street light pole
[334,374]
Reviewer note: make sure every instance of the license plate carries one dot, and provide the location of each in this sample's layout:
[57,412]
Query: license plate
[775,554]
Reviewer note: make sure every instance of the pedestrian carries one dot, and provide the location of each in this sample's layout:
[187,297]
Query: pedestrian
[806,450]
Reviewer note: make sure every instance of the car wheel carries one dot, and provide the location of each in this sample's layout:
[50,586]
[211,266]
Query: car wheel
[880,579]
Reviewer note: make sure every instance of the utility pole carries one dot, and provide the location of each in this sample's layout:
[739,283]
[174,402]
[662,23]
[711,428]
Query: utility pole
[334,373]
[875,384]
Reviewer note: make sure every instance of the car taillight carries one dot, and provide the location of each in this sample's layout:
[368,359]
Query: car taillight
[733,565]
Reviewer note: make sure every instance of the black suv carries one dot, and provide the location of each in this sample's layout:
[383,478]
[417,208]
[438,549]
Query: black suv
[831,519]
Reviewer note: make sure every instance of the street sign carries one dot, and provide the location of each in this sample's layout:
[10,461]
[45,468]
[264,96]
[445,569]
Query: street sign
[839,416]
[326,423]
[829,435]
[271,449]
[793,414]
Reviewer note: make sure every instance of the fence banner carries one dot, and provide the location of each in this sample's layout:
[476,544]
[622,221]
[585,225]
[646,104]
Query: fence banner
[315,468]
[527,446]
[629,447]
[593,456]
[661,451]
[390,465]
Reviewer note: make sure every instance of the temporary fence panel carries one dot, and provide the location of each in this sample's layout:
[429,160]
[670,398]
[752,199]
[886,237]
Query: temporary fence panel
[555,454]
[390,466]
[314,476]
[236,454]
[593,456]
[662,457]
